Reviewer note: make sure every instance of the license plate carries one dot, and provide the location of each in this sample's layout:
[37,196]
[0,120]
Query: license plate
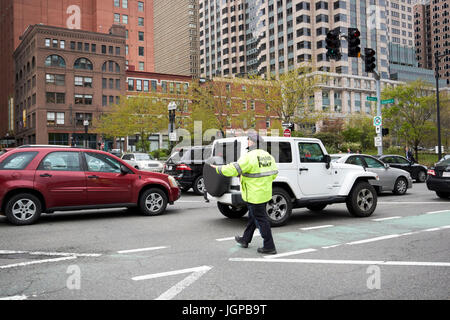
[446,174]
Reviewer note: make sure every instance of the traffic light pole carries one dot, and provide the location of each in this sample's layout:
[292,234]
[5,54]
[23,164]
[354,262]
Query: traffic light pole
[380,132]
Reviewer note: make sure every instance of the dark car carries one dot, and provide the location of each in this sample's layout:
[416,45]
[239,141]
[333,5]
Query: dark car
[417,171]
[35,180]
[186,166]
[439,178]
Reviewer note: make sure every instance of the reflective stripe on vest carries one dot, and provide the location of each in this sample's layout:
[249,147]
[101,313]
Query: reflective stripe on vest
[238,168]
[260,175]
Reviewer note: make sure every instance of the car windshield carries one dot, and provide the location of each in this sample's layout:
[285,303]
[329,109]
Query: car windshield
[143,157]
[444,161]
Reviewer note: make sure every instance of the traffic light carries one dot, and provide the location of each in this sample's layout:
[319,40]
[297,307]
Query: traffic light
[354,50]
[384,131]
[369,60]
[333,44]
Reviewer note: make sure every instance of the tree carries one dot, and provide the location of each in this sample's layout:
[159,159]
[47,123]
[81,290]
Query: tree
[411,115]
[288,96]
[138,115]
[359,129]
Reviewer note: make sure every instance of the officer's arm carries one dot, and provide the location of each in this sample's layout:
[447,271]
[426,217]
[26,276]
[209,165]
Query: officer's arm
[236,168]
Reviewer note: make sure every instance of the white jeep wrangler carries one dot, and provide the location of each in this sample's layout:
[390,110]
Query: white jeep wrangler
[306,178]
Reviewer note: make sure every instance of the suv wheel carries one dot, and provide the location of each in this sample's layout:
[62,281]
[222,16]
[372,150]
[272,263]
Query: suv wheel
[153,202]
[316,207]
[400,186]
[443,195]
[231,211]
[421,176]
[199,185]
[362,200]
[279,209]
[23,209]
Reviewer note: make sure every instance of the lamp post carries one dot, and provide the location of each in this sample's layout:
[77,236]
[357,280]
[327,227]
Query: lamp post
[437,57]
[172,107]
[86,128]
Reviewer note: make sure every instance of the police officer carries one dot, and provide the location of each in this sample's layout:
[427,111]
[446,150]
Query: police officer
[257,169]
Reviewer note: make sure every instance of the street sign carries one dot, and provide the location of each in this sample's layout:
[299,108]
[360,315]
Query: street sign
[387,101]
[172,136]
[377,121]
[371,98]
[377,129]
[287,133]
[378,142]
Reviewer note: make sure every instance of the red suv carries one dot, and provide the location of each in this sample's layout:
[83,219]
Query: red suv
[34,180]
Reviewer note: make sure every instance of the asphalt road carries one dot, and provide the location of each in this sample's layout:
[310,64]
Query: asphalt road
[401,252]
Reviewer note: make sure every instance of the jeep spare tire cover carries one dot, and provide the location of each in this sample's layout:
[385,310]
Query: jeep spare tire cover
[215,184]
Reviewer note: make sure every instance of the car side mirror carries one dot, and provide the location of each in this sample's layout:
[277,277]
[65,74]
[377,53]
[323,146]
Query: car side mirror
[386,166]
[327,159]
[124,170]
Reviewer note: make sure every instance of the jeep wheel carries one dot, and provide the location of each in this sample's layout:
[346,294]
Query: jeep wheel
[199,186]
[279,209]
[400,186]
[23,209]
[362,200]
[231,211]
[316,207]
[153,202]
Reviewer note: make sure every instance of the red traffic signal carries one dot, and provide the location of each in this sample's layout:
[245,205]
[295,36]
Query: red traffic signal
[354,49]
[369,60]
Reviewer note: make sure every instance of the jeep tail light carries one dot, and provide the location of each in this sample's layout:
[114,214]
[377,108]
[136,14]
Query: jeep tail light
[431,172]
[183,167]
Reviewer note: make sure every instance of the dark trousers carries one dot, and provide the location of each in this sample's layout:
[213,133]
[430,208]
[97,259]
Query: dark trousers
[258,219]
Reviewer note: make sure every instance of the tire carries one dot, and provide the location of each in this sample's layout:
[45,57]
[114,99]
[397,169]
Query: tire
[400,186]
[316,207]
[421,176]
[362,200]
[199,186]
[153,202]
[231,211]
[279,208]
[23,209]
[443,195]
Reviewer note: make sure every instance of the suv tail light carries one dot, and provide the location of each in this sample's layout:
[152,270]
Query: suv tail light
[431,172]
[183,167]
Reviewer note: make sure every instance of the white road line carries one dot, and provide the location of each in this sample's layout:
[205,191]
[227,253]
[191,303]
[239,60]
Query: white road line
[445,227]
[23,264]
[39,253]
[256,234]
[431,229]
[433,212]
[346,262]
[180,286]
[374,239]
[141,250]
[333,246]
[407,202]
[291,253]
[317,227]
[388,218]
[22,297]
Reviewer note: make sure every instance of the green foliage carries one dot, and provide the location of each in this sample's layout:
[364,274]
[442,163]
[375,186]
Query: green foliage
[329,139]
[353,146]
[160,154]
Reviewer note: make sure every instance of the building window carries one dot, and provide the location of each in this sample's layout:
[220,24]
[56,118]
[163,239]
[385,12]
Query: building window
[55,61]
[86,47]
[141,66]
[116,18]
[138,85]
[85,82]
[141,36]
[125,19]
[93,47]
[55,97]
[126,50]
[130,85]
[154,84]
[47,42]
[118,51]
[56,79]
[83,63]
[103,49]
[62,44]
[116,3]
[140,6]
[51,119]
[140,21]
[146,86]
[125,4]
[104,101]
[141,51]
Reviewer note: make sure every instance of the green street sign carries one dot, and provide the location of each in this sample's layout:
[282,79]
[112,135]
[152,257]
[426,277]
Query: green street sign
[371,98]
[387,101]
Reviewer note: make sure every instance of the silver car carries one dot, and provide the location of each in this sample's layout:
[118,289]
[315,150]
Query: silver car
[143,161]
[391,179]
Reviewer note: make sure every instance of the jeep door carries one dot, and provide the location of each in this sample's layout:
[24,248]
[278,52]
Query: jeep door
[314,178]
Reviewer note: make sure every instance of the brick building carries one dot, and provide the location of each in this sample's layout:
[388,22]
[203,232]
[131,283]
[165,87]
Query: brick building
[88,15]
[63,78]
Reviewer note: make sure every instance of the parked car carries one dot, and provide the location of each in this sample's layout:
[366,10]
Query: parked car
[439,178]
[417,171]
[306,178]
[391,179]
[143,161]
[36,180]
[186,165]
[116,152]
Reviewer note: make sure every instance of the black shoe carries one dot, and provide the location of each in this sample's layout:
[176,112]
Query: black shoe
[267,251]
[241,241]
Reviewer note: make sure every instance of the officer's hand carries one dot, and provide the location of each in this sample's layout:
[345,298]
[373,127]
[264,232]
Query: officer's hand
[213,166]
